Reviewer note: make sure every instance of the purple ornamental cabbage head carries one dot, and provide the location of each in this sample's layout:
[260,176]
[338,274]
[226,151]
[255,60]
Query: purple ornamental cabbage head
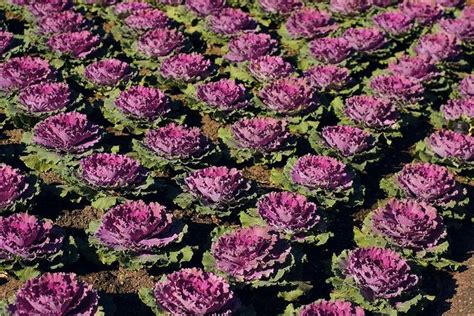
[462,29]
[396,87]
[347,140]
[323,307]
[466,87]
[428,182]
[393,22]
[269,68]
[76,44]
[438,46]
[288,96]
[111,171]
[349,7]
[45,97]
[248,46]
[186,67]
[250,254]
[107,72]
[143,103]
[288,211]
[20,72]
[225,95]
[124,9]
[28,238]
[371,112]
[263,134]
[309,23]
[217,185]
[160,42]
[449,144]
[365,39]
[417,67]
[138,227]
[6,39]
[55,294]
[409,224]
[205,7]
[61,22]
[41,8]
[379,273]
[280,6]
[321,172]
[68,132]
[456,109]
[230,21]
[330,50]
[422,12]
[147,19]
[176,141]
[12,185]
[327,77]
[195,292]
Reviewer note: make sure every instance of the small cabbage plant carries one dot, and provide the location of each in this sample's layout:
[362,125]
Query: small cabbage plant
[215,191]
[456,114]
[16,189]
[325,178]
[137,234]
[324,307]
[29,244]
[19,72]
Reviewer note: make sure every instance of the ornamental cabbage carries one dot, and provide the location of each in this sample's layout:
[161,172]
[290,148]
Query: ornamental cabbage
[457,109]
[349,7]
[454,145]
[25,237]
[249,46]
[428,182]
[421,12]
[68,132]
[288,211]
[20,72]
[61,22]
[143,103]
[231,21]
[6,39]
[160,42]
[438,46]
[194,292]
[408,224]
[365,39]
[371,112]
[269,68]
[393,22]
[55,294]
[417,67]
[124,9]
[225,95]
[76,44]
[397,88]
[263,134]
[147,19]
[309,23]
[13,186]
[321,172]
[288,96]
[323,307]
[330,50]
[111,171]
[45,97]
[41,8]
[327,77]
[462,29]
[280,6]
[219,186]
[251,254]
[186,67]
[176,141]
[466,87]
[347,140]
[205,7]
[107,72]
